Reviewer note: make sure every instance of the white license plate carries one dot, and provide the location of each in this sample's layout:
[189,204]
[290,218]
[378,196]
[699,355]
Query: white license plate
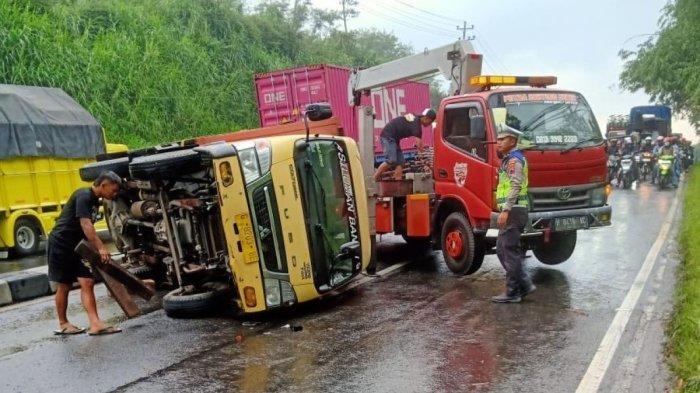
[570,223]
[4,254]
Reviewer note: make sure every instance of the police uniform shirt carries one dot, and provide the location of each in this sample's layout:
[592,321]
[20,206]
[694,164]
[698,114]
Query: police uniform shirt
[513,168]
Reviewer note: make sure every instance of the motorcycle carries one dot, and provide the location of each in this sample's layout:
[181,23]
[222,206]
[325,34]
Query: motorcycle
[613,162]
[625,174]
[646,165]
[665,164]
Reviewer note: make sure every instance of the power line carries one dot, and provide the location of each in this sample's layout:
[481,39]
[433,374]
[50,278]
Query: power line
[413,19]
[423,18]
[492,52]
[443,17]
[404,23]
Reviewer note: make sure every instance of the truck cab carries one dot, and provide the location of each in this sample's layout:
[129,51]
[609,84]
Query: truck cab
[566,156]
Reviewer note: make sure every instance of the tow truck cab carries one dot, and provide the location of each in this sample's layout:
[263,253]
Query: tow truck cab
[564,149]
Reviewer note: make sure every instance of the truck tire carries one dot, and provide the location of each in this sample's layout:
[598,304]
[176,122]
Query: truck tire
[457,243]
[479,254]
[558,250]
[120,166]
[182,305]
[165,165]
[27,236]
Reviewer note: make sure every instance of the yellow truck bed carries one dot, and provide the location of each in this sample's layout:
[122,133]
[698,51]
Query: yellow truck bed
[36,188]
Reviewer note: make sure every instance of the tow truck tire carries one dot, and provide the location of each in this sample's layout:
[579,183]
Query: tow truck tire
[120,166]
[558,250]
[27,236]
[165,165]
[458,246]
[197,305]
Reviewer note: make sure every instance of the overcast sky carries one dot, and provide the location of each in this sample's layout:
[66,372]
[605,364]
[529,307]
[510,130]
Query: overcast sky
[577,41]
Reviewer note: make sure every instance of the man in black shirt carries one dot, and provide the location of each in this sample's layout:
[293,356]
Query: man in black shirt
[65,266]
[406,126]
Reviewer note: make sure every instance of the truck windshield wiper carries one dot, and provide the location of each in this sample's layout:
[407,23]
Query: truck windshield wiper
[538,117]
[579,143]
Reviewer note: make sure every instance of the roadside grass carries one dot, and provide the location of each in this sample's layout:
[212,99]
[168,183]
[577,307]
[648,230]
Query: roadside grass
[684,329]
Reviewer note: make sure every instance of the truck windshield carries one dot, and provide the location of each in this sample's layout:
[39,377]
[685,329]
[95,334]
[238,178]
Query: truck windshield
[551,121]
[329,202]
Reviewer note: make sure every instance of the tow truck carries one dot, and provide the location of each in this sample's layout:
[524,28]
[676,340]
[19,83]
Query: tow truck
[454,208]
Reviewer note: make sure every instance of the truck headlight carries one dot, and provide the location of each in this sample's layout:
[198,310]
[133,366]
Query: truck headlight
[273,296]
[598,196]
[288,295]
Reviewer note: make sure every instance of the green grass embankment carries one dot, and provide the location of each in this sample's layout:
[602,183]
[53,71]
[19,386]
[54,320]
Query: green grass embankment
[684,329]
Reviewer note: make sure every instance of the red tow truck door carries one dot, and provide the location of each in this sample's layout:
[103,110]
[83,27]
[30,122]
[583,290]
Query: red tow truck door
[462,163]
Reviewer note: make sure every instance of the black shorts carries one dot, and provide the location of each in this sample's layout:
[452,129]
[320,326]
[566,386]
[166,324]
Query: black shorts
[65,266]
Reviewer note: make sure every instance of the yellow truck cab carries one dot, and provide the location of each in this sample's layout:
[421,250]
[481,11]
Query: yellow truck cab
[268,222]
[45,138]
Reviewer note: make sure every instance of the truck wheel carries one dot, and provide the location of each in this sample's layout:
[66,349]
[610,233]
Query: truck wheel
[457,241]
[558,250]
[165,165]
[120,166]
[181,304]
[27,236]
[479,254]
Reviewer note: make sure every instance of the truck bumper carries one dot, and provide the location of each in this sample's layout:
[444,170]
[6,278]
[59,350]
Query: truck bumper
[544,221]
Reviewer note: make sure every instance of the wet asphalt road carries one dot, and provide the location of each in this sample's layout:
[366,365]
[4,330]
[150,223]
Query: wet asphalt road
[418,329]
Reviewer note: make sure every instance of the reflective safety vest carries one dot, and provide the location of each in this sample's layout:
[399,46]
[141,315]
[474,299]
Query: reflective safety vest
[503,188]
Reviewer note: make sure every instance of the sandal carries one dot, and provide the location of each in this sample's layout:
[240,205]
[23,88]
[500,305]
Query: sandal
[105,331]
[69,330]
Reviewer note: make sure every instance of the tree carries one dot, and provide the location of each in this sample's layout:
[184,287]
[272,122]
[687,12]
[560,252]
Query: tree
[348,11]
[667,65]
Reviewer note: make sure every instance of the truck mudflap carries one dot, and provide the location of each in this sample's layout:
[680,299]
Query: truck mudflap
[561,220]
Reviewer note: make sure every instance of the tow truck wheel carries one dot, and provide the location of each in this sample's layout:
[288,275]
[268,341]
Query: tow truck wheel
[458,247]
[27,236]
[559,249]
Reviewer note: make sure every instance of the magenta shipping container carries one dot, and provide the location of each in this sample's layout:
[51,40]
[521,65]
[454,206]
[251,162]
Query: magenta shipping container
[282,95]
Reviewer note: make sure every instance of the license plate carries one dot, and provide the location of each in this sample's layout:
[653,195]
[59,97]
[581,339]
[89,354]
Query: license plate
[245,233]
[570,223]
[4,254]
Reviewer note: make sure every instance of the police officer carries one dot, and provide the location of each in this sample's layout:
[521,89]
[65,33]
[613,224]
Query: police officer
[406,126]
[512,199]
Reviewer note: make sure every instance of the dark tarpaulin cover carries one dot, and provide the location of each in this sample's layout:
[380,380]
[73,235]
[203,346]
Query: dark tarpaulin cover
[43,121]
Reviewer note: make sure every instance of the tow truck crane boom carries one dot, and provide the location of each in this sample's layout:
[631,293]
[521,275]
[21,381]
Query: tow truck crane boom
[457,62]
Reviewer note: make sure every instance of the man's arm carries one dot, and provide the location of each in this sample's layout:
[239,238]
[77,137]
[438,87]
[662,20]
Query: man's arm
[514,170]
[91,235]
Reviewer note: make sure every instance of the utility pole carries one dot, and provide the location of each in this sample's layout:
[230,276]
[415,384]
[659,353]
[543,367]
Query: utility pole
[345,18]
[464,29]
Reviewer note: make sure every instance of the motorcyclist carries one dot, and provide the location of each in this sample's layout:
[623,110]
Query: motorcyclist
[628,147]
[647,146]
[659,144]
[668,150]
[613,147]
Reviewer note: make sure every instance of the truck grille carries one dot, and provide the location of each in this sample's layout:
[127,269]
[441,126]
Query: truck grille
[268,230]
[561,198]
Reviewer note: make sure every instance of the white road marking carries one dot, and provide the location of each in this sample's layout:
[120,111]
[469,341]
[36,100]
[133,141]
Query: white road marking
[635,347]
[595,373]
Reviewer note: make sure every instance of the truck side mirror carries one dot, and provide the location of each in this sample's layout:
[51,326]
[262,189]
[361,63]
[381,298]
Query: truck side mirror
[320,111]
[477,127]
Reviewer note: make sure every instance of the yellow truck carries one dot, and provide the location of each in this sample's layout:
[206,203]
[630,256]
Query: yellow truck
[268,222]
[45,138]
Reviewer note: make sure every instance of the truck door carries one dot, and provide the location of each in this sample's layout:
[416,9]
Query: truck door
[462,160]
